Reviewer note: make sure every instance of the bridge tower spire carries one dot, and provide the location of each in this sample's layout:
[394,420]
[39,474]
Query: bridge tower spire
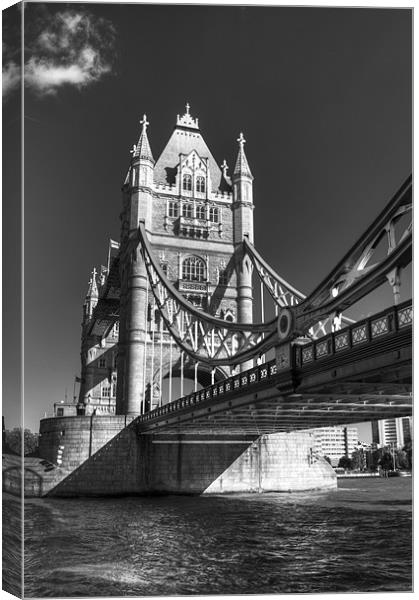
[243,228]
[141,179]
[91,297]
[86,354]
[137,202]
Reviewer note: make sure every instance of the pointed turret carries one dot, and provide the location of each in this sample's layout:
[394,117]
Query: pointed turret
[242,196]
[243,228]
[87,342]
[91,299]
[242,168]
[142,150]
[92,292]
[140,180]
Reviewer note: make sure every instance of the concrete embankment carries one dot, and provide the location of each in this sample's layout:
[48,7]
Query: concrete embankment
[38,475]
[356,475]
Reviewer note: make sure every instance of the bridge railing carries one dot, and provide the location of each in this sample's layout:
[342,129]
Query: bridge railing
[382,324]
[377,326]
[218,390]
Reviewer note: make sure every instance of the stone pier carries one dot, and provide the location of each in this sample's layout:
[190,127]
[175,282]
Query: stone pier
[100,456]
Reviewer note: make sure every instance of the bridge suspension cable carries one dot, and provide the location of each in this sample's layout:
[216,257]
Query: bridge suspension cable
[205,338]
[217,342]
[284,295]
[354,276]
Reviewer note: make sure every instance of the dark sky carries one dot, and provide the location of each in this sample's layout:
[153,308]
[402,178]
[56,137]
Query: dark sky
[323,97]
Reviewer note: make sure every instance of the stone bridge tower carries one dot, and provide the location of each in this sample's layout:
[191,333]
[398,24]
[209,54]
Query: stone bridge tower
[196,217]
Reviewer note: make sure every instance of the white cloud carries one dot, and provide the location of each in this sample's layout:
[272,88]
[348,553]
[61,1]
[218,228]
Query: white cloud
[74,48]
[47,75]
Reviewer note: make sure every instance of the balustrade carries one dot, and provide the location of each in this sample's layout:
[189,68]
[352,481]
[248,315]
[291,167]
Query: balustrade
[385,323]
[217,390]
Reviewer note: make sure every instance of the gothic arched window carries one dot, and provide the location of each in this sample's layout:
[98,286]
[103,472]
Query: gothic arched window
[173,209]
[193,269]
[213,214]
[187,211]
[187,183]
[200,212]
[200,184]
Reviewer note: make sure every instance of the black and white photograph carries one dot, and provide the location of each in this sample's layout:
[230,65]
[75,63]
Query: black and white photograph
[207,299]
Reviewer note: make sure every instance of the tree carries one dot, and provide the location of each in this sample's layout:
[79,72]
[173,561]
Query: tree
[14,441]
[402,462]
[386,461]
[345,463]
[358,460]
[408,450]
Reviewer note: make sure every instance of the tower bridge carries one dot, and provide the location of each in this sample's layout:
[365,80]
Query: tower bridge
[177,300]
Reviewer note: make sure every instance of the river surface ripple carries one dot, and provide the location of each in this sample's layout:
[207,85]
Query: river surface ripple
[356,538]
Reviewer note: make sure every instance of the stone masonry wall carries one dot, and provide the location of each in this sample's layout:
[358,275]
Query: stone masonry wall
[72,440]
[279,462]
[126,462]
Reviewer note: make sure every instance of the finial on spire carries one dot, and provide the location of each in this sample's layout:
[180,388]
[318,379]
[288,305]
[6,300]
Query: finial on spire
[224,167]
[242,166]
[241,140]
[186,120]
[133,150]
[144,123]
[142,150]
[92,291]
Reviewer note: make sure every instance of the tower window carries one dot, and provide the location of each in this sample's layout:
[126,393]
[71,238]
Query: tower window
[200,184]
[106,391]
[165,268]
[173,209]
[214,214]
[193,269]
[200,212]
[157,317]
[187,183]
[102,363]
[187,211]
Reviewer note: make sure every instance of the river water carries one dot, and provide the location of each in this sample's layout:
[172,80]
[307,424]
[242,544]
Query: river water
[356,538]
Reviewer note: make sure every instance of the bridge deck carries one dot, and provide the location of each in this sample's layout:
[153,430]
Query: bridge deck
[358,374]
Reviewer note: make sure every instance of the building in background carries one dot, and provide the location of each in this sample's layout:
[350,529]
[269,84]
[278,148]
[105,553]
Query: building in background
[335,442]
[392,432]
